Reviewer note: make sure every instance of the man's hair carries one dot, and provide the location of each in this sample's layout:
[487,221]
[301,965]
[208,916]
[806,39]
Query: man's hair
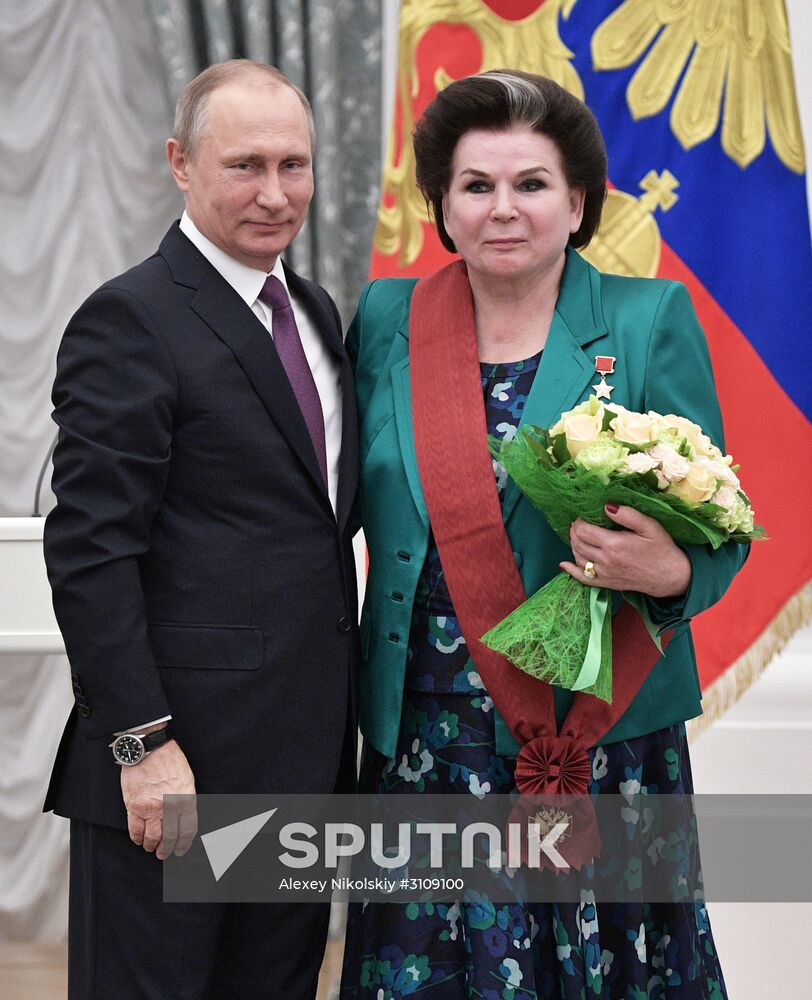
[498,100]
[190,110]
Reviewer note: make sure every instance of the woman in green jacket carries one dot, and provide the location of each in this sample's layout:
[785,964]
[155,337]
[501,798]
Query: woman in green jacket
[514,169]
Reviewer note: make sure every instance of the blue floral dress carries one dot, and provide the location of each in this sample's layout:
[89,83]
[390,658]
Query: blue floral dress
[513,951]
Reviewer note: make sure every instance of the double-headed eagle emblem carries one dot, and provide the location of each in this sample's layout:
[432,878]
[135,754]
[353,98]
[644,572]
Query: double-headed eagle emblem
[728,59]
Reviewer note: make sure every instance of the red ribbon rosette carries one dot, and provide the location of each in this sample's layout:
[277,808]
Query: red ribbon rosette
[552,774]
[552,765]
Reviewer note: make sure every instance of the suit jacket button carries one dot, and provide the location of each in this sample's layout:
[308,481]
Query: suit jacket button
[84,711]
[343,625]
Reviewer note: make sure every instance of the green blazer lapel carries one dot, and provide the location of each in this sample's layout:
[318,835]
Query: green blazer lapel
[402,396]
[565,369]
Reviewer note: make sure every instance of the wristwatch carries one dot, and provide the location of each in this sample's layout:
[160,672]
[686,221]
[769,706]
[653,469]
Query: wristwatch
[131,748]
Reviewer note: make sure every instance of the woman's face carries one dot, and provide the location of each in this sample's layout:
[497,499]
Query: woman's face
[508,208]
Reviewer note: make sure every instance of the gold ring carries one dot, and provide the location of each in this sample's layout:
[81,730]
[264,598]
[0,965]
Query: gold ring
[589,570]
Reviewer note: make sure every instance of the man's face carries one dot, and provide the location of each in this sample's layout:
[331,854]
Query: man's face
[249,181]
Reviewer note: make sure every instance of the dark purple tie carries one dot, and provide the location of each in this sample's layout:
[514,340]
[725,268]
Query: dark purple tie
[288,345]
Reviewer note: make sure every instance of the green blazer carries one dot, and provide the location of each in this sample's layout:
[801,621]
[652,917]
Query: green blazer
[650,327]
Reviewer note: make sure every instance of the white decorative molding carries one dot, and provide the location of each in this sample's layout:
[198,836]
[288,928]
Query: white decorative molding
[27,622]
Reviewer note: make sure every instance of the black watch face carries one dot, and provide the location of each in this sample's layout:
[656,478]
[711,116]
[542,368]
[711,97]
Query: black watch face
[129,749]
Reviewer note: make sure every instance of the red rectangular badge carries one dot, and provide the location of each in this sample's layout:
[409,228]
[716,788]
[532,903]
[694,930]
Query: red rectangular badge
[604,365]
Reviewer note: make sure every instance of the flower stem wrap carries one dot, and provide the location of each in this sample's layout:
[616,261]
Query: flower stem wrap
[562,634]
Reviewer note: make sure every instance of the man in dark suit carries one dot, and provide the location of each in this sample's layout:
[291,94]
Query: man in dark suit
[199,554]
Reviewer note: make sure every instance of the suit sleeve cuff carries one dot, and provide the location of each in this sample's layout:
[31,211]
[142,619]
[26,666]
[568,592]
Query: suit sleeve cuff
[711,574]
[668,612]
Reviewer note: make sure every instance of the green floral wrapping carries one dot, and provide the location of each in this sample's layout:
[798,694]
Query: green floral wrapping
[562,634]
[548,636]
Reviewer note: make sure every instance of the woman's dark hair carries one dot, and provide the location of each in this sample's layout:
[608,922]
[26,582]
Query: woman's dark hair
[498,100]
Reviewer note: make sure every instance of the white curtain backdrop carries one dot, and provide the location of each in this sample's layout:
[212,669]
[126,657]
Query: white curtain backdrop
[83,195]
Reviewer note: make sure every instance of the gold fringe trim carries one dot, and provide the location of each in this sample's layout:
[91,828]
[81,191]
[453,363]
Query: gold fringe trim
[731,685]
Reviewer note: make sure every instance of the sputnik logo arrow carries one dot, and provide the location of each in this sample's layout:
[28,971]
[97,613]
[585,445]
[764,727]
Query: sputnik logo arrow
[225,845]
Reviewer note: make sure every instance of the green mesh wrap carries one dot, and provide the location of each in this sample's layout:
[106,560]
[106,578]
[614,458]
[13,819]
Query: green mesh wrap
[547,636]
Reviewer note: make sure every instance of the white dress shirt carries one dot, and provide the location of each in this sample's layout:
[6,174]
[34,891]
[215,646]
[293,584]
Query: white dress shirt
[247,282]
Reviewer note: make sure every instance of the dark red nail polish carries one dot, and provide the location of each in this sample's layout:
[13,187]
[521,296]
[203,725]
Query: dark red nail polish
[613,508]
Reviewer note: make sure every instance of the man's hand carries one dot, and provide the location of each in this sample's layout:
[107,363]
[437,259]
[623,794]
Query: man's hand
[165,771]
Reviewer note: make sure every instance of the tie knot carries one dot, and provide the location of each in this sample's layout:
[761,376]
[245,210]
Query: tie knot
[273,293]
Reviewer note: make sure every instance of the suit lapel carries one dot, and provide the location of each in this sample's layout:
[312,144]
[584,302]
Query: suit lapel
[402,396]
[318,311]
[566,369]
[219,306]
[222,309]
[326,321]
[348,460]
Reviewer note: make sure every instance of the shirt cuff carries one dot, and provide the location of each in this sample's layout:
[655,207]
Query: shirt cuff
[145,725]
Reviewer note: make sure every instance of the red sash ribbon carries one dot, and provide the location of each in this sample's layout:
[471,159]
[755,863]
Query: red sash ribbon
[456,473]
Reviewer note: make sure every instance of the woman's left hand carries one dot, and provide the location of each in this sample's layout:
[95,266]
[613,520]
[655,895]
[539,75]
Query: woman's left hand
[643,557]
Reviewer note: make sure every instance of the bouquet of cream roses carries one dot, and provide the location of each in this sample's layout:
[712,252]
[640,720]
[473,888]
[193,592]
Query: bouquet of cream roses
[597,454]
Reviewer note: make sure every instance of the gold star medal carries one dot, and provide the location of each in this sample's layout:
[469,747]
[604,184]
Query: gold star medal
[604,366]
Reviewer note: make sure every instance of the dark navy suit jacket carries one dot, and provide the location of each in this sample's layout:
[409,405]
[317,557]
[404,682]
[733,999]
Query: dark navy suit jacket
[197,566]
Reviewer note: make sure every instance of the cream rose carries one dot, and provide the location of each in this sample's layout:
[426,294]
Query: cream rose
[640,462]
[700,442]
[725,497]
[698,485]
[634,428]
[658,419]
[674,467]
[591,406]
[580,429]
[721,470]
